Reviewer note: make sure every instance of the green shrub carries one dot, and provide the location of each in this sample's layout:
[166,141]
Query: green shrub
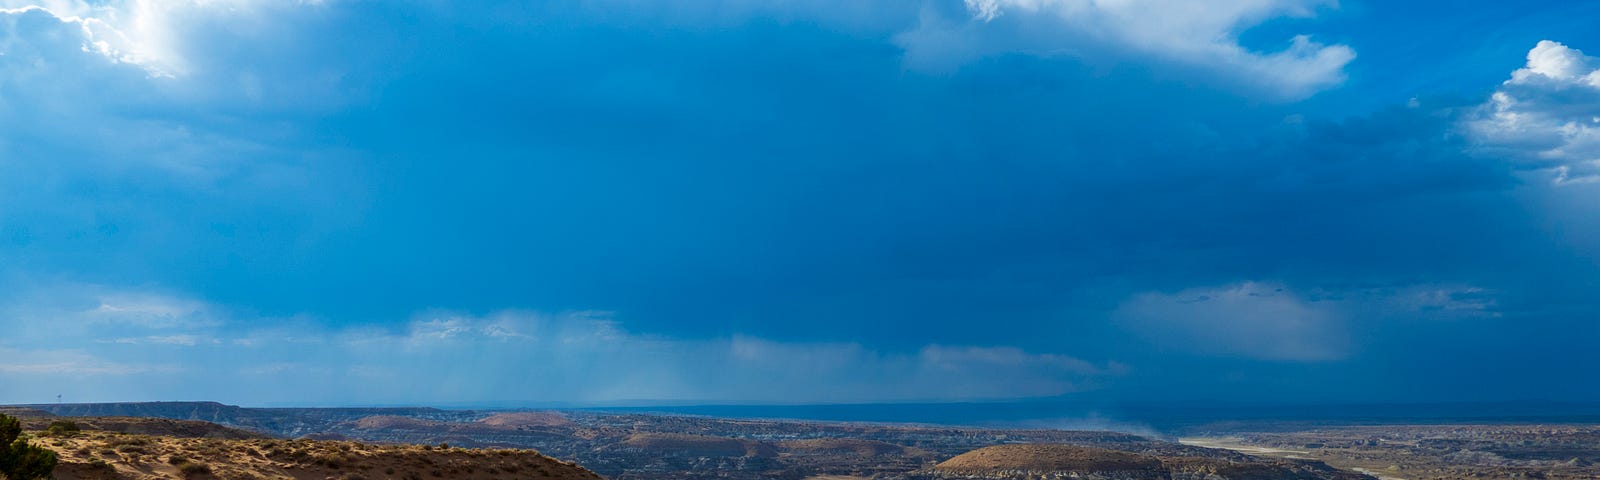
[331,461]
[130,449]
[126,440]
[20,460]
[191,469]
[63,428]
[101,465]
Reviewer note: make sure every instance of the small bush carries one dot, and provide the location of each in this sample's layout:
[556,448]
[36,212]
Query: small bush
[191,469]
[332,461]
[101,466]
[63,428]
[130,449]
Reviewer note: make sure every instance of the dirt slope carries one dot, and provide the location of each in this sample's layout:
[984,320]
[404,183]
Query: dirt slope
[527,419]
[146,426]
[1053,458]
[107,456]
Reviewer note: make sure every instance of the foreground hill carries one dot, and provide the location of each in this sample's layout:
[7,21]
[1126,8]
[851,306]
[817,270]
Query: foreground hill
[1030,461]
[184,451]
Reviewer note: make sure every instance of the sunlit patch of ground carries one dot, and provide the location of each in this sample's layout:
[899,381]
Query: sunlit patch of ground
[113,456]
[1237,445]
[1229,443]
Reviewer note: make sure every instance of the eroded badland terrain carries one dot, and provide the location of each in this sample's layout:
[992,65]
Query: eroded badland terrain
[209,440]
[1428,452]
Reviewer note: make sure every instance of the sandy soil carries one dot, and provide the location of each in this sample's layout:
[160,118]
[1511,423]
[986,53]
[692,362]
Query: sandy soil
[109,456]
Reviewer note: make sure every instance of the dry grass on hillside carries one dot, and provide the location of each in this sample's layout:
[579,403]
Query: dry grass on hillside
[1050,458]
[110,456]
[527,419]
[147,426]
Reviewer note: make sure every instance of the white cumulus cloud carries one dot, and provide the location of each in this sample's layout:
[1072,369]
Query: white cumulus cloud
[1547,116]
[1199,35]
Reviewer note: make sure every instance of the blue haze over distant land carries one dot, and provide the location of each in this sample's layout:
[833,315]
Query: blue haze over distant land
[1152,418]
[603,202]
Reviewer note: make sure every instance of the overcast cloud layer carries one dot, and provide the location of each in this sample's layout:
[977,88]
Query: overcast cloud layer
[598,201]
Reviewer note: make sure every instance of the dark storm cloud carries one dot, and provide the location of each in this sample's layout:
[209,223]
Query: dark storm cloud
[783,179]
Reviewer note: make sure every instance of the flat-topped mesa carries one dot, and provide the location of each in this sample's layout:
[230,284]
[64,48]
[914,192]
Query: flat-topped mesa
[165,427]
[1027,461]
[24,412]
[207,411]
[527,419]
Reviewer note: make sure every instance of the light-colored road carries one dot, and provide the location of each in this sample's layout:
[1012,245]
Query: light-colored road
[1234,444]
[1230,443]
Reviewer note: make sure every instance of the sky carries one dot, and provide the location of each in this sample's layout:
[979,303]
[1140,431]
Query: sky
[591,202]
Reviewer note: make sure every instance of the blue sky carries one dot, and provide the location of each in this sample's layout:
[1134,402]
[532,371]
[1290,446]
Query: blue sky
[755,201]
